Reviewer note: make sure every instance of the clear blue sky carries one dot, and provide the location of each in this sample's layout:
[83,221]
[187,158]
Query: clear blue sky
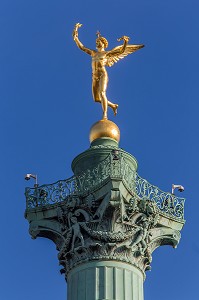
[47,111]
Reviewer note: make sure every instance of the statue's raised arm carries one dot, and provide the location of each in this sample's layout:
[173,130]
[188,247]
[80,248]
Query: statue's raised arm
[77,41]
[119,52]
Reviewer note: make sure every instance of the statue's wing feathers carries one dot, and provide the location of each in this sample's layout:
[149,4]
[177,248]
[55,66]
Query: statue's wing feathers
[115,54]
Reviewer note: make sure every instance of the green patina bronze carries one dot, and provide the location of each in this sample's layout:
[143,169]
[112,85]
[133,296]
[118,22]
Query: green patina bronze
[105,221]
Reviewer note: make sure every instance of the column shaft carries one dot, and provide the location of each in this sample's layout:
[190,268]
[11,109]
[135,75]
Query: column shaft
[105,280]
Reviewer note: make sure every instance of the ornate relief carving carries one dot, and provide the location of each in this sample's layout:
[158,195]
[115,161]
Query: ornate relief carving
[107,228]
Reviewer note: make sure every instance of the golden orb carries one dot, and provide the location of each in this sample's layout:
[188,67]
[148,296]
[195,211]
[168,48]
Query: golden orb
[104,129]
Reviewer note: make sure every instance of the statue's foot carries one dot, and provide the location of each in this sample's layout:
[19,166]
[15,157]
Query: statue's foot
[115,109]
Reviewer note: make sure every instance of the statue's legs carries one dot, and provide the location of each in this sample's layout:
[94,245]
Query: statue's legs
[113,106]
[105,103]
[103,81]
[99,87]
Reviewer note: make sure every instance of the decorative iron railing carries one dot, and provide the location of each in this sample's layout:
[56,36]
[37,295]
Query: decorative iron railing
[49,194]
[165,202]
[114,166]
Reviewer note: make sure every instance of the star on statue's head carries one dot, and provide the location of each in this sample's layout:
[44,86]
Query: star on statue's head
[98,34]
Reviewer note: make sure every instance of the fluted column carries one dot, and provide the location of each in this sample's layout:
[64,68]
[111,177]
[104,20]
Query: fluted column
[105,280]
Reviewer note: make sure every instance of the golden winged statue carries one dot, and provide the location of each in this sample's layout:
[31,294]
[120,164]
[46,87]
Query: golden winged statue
[101,59]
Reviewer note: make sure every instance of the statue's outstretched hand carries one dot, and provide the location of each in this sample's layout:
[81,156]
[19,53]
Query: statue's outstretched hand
[75,30]
[124,38]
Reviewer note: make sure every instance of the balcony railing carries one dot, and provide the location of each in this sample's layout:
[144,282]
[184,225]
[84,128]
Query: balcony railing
[115,167]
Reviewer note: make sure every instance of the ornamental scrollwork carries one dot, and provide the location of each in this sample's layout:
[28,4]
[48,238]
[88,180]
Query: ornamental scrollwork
[121,231]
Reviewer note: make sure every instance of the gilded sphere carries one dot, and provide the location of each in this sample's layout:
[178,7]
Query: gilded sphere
[104,129]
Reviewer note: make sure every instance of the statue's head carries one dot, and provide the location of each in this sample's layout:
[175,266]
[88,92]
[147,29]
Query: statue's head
[101,41]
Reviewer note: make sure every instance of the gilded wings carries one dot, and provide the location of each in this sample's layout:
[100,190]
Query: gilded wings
[116,53]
